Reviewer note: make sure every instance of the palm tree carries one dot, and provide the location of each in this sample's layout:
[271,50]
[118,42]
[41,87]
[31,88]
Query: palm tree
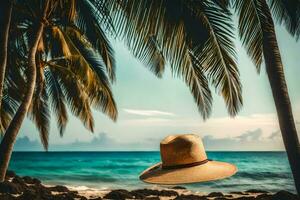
[63,64]
[6,10]
[194,37]
[7,143]
[257,32]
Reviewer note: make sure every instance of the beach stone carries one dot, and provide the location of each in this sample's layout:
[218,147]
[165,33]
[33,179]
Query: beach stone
[10,188]
[239,193]
[190,197]
[59,188]
[10,174]
[256,191]
[119,194]
[68,196]
[141,193]
[264,196]
[18,180]
[96,198]
[144,192]
[215,194]
[283,195]
[29,194]
[245,198]
[151,198]
[30,180]
[168,193]
[178,188]
[7,197]
[36,181]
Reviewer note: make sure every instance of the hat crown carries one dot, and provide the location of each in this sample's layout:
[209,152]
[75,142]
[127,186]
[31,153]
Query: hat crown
[181,150]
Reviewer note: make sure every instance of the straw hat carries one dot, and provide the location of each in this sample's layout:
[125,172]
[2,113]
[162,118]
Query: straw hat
[184,161]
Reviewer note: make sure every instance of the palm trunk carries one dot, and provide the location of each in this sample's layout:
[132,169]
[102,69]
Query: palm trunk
[7,144]
[6,10]
[279,88]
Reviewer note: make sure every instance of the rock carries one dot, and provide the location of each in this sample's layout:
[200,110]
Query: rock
[96,198]
[36,181]
[178,188]
[190,197]
[10,174]
[168,193]
[119,195]
[10,188]
[239,193]
[7,197]
[264,196]
[151,198]
[215,194]
[30,180]
[245,198]
[29,194]
[59,188]
[18,180]
[256,191]
[68,196]
[283,195]
[144,192]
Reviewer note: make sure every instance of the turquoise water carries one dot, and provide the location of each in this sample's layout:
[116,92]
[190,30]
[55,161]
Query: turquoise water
[257,170]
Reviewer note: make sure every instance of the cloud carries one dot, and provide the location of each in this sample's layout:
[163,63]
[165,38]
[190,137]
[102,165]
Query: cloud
[250,135]
[25,144]
[216,126]
[275,135]
[250,140]
[148,112]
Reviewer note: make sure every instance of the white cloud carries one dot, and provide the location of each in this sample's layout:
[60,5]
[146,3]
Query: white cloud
[218,127]
[148,112]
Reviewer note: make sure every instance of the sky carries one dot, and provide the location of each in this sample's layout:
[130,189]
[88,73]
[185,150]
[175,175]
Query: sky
[151,108]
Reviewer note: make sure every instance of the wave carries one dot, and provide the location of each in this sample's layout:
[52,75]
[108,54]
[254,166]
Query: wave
[263,175]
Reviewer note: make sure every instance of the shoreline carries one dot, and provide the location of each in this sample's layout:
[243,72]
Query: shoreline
[28,188]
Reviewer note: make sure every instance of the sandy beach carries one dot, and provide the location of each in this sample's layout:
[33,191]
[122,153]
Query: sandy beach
[28,188]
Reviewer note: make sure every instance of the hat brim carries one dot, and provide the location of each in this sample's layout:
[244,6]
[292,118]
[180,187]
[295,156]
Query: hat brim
[210,171]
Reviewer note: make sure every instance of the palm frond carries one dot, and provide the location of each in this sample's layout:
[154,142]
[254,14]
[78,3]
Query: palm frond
[287,12]
[91,22]
[58,44]
[57,100]
[250,29]
[8,109]
[98,85]
[40,114]
[218,56]
[76,96]
[137,24]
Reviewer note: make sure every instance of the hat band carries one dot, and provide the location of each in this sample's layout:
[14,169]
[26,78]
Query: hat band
[186,165]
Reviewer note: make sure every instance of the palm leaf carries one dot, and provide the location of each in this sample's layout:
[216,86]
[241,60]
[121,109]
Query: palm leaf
[218,55]
[91,22]
[57,100]
[287,12]
[250,29]
[40,114]
[76,97]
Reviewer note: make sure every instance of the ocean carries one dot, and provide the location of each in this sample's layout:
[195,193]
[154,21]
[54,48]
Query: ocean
[111,170]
